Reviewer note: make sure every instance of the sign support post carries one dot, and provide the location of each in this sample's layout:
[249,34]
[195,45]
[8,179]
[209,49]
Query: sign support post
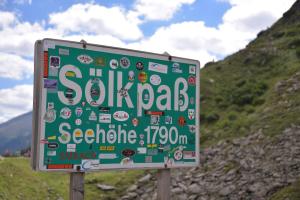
[76,186]
[163,184]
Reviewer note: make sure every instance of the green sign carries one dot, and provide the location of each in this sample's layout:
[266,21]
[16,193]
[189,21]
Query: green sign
[98,107]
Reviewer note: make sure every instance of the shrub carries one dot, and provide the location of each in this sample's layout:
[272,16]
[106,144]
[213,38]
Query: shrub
[213,117]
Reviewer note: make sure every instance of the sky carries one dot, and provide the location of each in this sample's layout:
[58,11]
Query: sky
[206,30]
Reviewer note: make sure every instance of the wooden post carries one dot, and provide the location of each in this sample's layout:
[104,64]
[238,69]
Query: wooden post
[164,184]
[77,186]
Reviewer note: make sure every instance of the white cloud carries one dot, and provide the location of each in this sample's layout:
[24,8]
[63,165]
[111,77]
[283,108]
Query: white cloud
[6,19]
[15,101]
[15,67]
[158,9]
[95,19]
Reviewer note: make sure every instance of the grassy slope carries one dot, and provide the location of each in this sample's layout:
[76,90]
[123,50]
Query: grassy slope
[291,192]
[18,181]
[238,93]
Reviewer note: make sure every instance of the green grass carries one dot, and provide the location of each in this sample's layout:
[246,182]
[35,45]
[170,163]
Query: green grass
[18,181]
[291,192]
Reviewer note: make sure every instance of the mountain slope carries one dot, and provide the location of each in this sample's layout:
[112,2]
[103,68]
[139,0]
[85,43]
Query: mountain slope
[256,88]
[15,134]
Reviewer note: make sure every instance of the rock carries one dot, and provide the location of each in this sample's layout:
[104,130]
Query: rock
[227,190]
[132,194]
[177,190]
[194,189]
[132,188]
[105,187]
[145,179]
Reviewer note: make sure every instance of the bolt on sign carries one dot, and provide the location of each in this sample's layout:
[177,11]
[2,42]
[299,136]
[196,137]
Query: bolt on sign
[99,107]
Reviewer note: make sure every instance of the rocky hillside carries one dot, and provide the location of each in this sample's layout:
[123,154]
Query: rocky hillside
[252,167]
[250,123]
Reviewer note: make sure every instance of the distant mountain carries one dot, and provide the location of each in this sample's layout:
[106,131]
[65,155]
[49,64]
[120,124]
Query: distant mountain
[15,134]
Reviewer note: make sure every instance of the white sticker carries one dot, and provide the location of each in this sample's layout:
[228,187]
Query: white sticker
[85,59]
[158,67]
[90,164]
[121,116]
[65,113]
[51,153]
[114,64]
[141,150]
[192,69]
[155,79]
[107,156]
[63,52]
[104,118]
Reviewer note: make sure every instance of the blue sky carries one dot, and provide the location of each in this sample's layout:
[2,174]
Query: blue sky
[200,29]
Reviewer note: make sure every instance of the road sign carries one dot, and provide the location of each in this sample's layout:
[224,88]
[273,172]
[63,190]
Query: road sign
[99,107]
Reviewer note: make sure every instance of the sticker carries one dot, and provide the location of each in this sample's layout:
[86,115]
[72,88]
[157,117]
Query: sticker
[104,109]
[94,103]
[141,142]
[78,122]
[83,103]
[93,116]
[131,76]
[143,77]
[168,120]
[114,64]
[126,161]
[50,115]
[128,152]
[148,159]
[192,69]
[192,80]
[161,113]
[191,114]
[178,155]
[104,118]
[95,92]
[154,120]
[192,128]
[52,145]
[64,52]
[50,84]
[60,166]
[107,156]
[142,136]
[64,137]
[52,137]
[158,67]
[100,61]
[141,150]
[107,148]
[189,155]
[111,135]
[69,93]
[85,59]
[89,132]
[124,62]
[78,111]
[167,147]
[51,153]
[77,156]
[70,74]
[71,147]
[192,100]
[65,113]
[152,152]
[139,66]
[78,132]
[121,116]
[152,145]
[181,121]
[53,71]
[155,79]
[135,122]
[146,97]
[54,61]
[90,164]
[176,68]
[123,92]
